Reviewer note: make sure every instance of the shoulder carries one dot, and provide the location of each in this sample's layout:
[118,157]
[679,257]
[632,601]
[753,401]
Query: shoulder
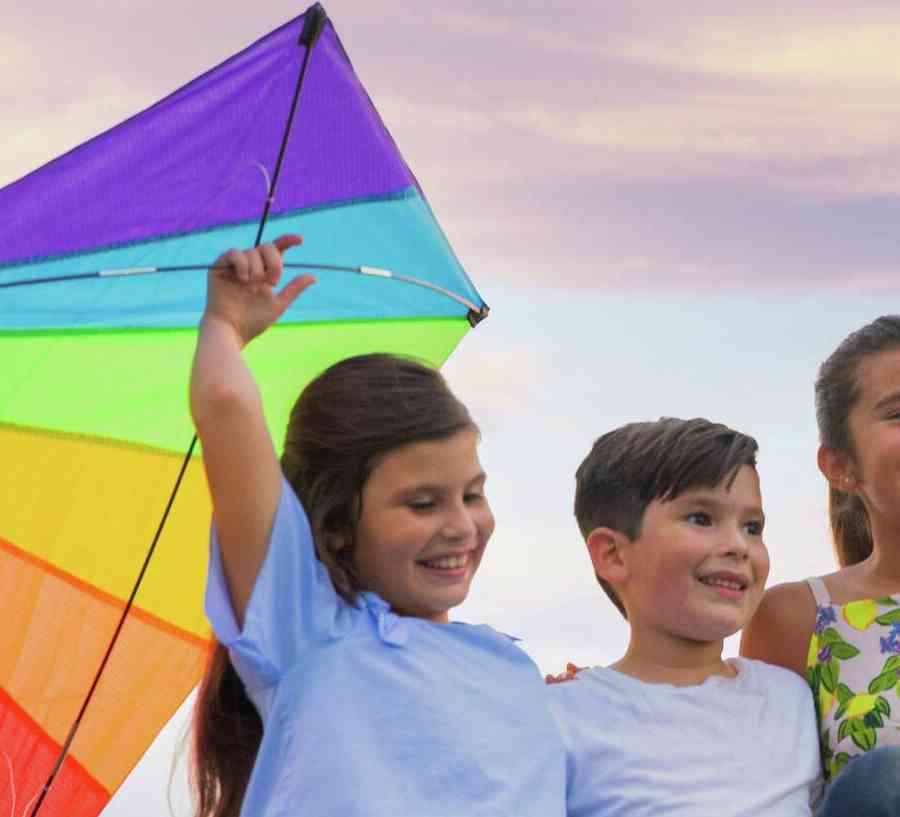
[790,598]
[780,630]
[770,677]
[593,708]
[591,692]
[785,608]
[290,516]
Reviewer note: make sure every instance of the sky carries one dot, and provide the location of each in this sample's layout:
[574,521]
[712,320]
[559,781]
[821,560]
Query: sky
[669,214]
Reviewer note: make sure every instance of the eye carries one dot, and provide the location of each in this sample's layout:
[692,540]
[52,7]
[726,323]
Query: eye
[420,505]
[472,497]
[699,518]
[754,527]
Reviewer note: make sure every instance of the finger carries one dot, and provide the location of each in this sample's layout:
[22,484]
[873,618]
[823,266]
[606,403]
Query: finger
[272,263]
[236,264]
[285,242]
[256,267]
[292,290]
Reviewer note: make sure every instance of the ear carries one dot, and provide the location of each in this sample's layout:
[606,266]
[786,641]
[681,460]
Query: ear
[338,542]
[605,547]
[837,469]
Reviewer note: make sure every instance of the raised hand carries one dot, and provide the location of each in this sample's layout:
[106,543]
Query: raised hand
[241,288]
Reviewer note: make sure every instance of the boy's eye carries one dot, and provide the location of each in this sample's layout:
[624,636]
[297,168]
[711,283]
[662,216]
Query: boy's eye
[420,504]
[754,528]
[699,518]
[473,496]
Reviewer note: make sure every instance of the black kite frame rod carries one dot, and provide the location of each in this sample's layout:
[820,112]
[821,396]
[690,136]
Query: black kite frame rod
[314,22]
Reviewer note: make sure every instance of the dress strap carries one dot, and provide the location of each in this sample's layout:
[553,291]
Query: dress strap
[819,591]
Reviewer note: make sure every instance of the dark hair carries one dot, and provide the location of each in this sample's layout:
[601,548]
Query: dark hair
[837,390]
[631,466]
[344,421]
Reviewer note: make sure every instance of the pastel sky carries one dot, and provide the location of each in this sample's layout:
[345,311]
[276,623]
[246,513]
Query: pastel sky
[669,214]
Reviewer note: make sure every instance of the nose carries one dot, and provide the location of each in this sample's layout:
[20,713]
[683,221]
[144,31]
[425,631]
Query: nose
[735,543]
[459,523]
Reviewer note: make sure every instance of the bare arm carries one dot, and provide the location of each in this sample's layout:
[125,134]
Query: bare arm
[780,630]
[241,465]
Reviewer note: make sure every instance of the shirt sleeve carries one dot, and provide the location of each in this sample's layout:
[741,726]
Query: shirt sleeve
[293,605]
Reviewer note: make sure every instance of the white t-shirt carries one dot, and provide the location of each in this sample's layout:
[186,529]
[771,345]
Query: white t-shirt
[730,747]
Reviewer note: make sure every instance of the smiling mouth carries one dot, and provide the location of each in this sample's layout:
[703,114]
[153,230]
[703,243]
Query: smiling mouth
[728,583]
[454,562]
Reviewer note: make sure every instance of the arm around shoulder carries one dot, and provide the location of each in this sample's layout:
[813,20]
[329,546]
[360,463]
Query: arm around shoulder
[780,630]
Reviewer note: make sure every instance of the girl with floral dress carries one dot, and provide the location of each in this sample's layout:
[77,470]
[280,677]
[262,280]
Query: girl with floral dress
[842,631]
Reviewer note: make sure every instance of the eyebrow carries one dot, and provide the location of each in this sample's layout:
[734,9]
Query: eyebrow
[706,501]
[436,487]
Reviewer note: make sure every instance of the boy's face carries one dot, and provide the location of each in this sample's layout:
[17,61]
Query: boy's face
[698,568]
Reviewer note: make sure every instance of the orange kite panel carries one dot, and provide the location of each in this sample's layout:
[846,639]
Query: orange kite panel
[56,630]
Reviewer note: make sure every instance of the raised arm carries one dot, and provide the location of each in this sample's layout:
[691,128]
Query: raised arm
[780,631]
[241,465]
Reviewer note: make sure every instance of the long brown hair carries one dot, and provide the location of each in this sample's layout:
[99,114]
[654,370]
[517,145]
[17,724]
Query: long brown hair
[837,390]
[344,421]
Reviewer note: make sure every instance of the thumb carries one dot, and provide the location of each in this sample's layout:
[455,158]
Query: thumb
[285,242]
[292,290]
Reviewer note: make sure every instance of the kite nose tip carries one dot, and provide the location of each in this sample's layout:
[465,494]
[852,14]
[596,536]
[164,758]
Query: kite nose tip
[477,316]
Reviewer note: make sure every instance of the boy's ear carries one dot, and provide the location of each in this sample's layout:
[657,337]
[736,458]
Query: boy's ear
[605,547]
[836,468]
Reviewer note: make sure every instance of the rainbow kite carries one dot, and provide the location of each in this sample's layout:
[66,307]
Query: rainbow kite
[102,253]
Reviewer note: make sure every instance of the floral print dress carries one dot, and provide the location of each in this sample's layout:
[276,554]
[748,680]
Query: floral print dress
[853,667]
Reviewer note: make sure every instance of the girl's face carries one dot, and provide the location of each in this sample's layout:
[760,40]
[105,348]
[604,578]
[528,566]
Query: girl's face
[875,433]
[424,525]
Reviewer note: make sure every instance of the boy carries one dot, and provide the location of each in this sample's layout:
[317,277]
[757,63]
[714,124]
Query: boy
[672,517]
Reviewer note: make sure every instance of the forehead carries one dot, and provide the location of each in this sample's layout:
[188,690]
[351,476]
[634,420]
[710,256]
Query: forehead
[879,377]
[452,459]
[743,491]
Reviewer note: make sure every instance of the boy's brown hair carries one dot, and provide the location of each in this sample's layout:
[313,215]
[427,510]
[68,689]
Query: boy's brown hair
[635,464]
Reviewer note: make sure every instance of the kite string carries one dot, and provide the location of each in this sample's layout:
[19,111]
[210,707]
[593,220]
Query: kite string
[64,751]
[312,28]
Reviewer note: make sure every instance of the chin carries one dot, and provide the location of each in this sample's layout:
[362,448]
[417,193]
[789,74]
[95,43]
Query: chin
[713,629]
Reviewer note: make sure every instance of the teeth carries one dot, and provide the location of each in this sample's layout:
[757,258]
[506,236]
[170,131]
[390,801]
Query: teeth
[447,562]
[714,580]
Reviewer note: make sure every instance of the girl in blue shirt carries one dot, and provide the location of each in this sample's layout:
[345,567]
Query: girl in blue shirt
[339,685]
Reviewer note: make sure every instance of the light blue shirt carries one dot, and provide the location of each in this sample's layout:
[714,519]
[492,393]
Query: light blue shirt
[731,747]
[369,714]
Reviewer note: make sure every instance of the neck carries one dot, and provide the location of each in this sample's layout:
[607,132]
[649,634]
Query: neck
[662,659]
[884,563]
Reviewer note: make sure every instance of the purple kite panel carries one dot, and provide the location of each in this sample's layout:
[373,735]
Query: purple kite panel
[202,157]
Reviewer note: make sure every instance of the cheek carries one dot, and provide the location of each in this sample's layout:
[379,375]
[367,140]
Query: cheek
[486,524]
[761,563]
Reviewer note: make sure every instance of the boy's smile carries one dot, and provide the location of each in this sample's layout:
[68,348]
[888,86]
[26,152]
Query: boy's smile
[697,569]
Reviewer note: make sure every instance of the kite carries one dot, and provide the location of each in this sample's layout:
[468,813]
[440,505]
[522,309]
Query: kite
[103,505]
